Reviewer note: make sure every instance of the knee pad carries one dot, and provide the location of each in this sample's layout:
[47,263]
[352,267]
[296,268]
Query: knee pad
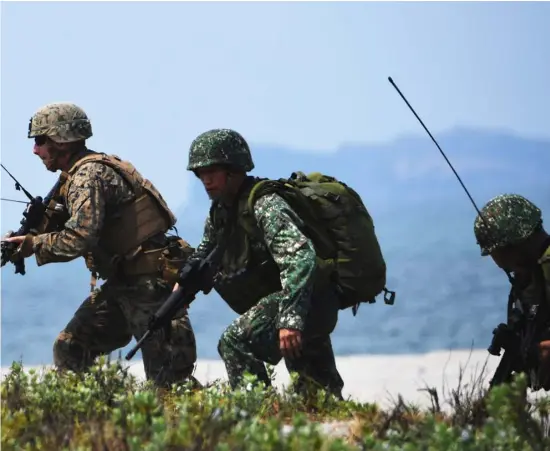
[225,342]
[68,354]
[221,345]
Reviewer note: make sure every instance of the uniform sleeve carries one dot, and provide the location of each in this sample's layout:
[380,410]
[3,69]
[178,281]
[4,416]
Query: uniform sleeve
[86,200]
[295,256]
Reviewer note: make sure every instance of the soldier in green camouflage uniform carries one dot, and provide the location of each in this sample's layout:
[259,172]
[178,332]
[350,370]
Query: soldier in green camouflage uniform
[268,278]
[121,307]
[510,230]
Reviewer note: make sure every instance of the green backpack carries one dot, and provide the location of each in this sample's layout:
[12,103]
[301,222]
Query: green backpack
[342,231]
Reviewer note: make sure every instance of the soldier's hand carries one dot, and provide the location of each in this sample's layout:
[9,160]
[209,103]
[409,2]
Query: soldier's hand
[290,342]
[24,243]
[176,286]
[14,239]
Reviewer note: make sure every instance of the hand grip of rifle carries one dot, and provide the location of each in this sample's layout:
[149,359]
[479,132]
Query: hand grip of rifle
[7,248]
[505,337]
[32,216]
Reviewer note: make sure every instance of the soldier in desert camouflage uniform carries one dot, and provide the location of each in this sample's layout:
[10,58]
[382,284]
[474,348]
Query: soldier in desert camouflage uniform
[511,232]
[269,279]
[113,216]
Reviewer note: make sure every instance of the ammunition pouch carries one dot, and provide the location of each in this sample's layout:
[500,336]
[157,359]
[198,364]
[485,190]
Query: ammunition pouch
[164,262]
[174,257]
[134,222]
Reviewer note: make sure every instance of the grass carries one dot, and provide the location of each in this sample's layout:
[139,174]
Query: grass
[109,409]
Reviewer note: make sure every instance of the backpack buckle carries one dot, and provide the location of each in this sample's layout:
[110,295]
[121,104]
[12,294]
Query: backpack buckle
[391,299]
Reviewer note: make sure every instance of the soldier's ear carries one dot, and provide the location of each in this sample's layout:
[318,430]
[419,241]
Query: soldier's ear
[69,147]
[235,175]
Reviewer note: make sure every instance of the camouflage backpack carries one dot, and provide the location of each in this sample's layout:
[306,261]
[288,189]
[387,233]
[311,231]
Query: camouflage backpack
[341,229]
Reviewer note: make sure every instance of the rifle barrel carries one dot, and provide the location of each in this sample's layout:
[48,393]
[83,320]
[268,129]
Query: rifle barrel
[135,349]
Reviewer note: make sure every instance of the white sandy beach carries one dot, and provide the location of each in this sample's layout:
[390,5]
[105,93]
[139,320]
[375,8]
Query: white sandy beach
[380,378]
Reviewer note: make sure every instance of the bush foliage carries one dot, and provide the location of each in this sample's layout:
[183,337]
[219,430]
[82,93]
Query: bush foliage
[108,409]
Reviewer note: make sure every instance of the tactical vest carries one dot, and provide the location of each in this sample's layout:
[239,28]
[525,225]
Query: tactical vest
[122,245]
[247,271]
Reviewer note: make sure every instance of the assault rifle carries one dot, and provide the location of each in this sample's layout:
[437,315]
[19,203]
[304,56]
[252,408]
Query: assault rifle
[32,218]
[507,337]
[194,277]
[518,336]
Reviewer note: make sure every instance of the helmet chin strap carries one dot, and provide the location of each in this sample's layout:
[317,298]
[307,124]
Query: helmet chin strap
[57,155]
[55,160]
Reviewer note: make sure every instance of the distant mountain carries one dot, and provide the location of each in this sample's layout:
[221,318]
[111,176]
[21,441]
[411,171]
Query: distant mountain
[447,295]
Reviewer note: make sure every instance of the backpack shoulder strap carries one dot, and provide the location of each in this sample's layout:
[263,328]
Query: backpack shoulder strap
[262,188]
[292,193]
[544,262]
[544,265]
[247,218]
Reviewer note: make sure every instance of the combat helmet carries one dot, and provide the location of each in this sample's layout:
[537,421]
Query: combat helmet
[507,219]
[220,146]
[62,122]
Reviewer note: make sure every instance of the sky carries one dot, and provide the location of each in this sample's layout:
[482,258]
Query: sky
[305,76]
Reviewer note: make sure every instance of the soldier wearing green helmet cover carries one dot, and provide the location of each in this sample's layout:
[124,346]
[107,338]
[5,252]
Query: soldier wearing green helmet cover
[267,277]
[117,221]
[510,230]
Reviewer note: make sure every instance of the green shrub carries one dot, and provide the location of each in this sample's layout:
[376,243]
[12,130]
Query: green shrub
[108,409]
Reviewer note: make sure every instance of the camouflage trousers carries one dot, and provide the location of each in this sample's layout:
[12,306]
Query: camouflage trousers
[253,339]
[115,312]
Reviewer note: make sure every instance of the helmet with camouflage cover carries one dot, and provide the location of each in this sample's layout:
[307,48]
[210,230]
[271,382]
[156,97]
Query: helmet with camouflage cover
[507,219]
[220,146]
[62,122]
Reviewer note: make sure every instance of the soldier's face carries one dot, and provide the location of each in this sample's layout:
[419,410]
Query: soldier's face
[48,152]
[53,155]
[214,179]
[501,260]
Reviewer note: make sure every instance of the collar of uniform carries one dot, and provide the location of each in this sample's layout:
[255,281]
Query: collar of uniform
[247,182]
[79,155]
